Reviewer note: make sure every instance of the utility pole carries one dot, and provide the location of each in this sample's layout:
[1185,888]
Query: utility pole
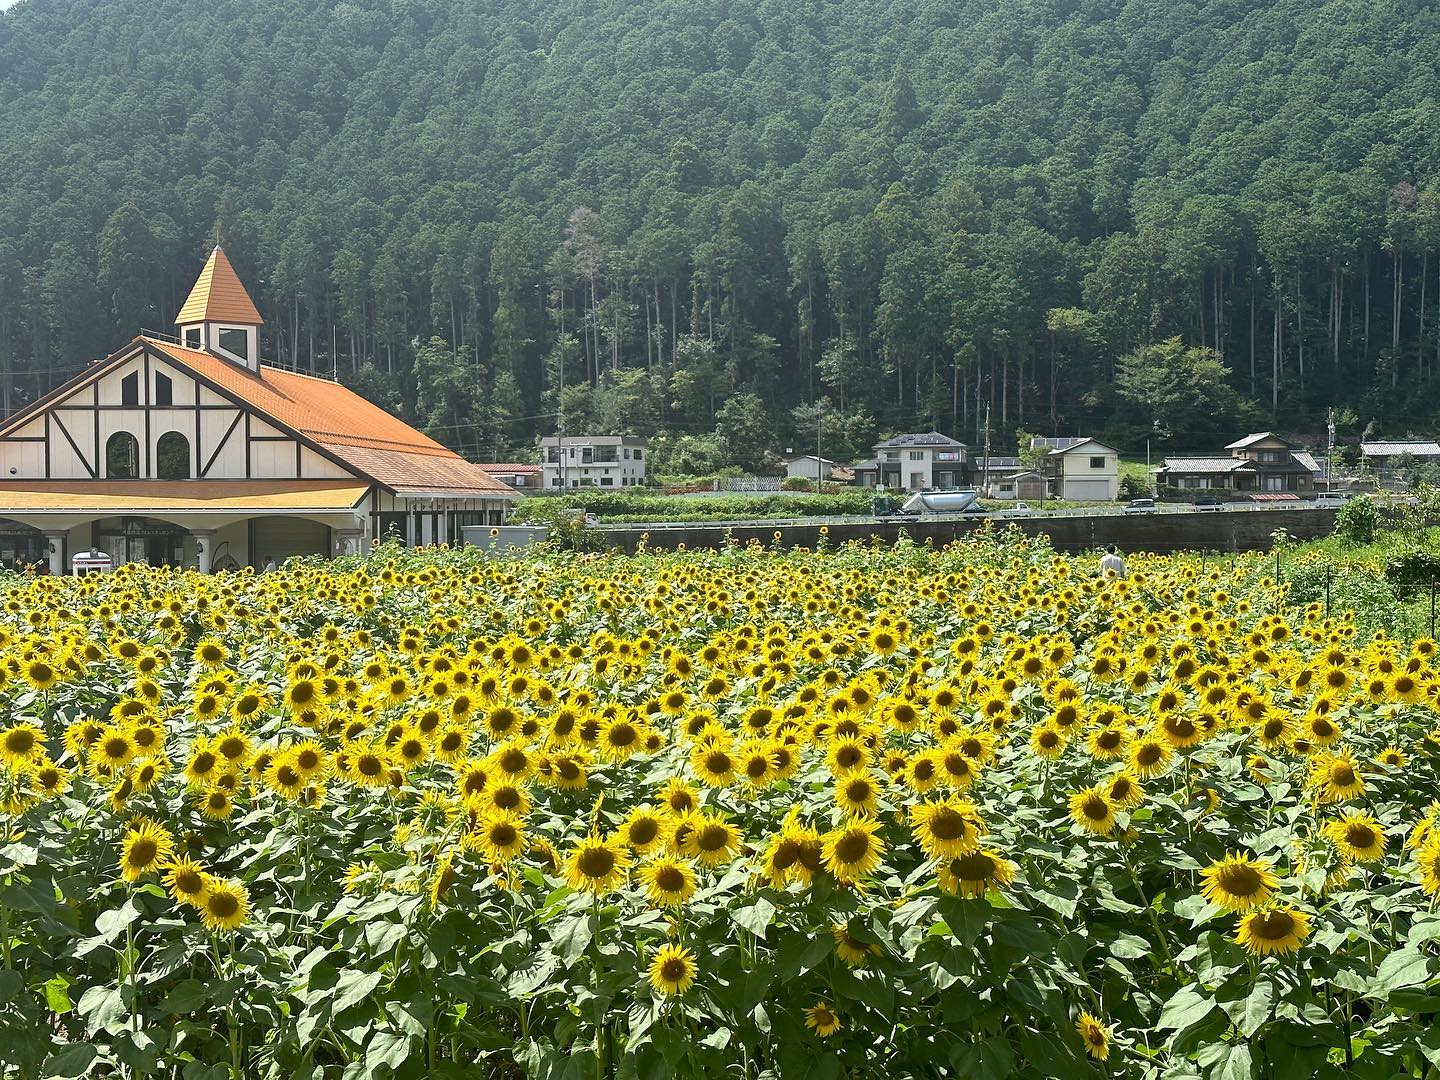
[1330,450]
[985,465]
[819,462]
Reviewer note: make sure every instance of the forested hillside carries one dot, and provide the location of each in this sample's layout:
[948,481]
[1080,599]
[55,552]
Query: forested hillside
[702,216]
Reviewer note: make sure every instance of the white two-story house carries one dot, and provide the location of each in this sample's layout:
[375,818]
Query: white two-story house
[924,461]
[600,461]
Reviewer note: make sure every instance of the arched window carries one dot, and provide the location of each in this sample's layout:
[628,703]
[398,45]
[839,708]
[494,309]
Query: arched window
[122,456]
[172,457]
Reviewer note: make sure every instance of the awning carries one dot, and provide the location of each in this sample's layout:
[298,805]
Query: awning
[140,497]
[1274,496]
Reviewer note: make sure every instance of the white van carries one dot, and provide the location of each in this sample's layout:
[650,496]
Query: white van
[1332,500]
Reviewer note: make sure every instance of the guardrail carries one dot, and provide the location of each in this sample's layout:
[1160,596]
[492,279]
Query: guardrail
[992,515]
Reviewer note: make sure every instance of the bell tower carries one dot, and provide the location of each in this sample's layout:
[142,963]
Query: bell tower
[219,317]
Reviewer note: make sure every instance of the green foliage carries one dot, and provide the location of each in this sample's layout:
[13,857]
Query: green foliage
[1413,571]
[635,505]
[629,215]
[1357,520]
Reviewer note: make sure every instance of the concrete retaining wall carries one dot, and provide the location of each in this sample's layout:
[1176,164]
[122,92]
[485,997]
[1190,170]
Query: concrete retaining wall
[1244,530]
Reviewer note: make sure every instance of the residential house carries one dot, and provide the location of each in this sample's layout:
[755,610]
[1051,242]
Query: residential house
[1080,469]
[1020,484]
[601,461]
[810,467]
[524,478]
[1259,464]
[192,451]
[1378,455]
[924,461]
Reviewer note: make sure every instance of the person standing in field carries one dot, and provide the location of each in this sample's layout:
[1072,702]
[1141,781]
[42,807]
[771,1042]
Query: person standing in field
[1112,564]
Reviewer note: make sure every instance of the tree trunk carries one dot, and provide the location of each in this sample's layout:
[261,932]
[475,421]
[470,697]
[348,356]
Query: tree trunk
[1367,303]
[1275,358]
[1300,330]
[1395,317]
[1252,330]
[1420,336]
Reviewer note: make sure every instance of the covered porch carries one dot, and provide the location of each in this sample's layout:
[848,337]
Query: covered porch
[205,525]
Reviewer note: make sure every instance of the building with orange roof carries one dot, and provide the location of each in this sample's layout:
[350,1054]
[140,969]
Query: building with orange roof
[193,452]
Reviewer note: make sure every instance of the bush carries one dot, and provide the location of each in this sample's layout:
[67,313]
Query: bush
[1357,520]
[796,483]
[635,505]
[1411,572]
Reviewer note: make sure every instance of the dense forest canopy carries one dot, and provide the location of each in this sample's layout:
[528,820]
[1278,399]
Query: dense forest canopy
[737,221]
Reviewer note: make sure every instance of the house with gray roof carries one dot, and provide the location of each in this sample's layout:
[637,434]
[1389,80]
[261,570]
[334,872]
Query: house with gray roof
[1259,464]
[1377,454]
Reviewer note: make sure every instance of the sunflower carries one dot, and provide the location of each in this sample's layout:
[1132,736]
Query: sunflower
[1181,730]
[215,803]
[1428,859]
[821,1019]
[1092,810]
[854,952]
[976,872]
[225,905]
[643,830]
[711,840]
[145,847]
[1359,838]
[1274,930]
[1047,741]
[596,865]
[672,970]
[187,881]
[1238,883]
[857,794]
[714,765]
[1392,757]
[1150,757]
[40,673]
[946,827]
[853,851]
[21,744]
[500,836]
[1336,777]
[1094,1034]
[668,882]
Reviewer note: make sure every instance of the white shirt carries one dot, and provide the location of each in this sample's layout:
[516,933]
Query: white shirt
[1112,565]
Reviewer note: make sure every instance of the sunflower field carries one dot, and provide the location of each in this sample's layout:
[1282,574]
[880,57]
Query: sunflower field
[857,812]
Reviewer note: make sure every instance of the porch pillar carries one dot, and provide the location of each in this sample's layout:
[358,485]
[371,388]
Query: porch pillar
[349,541]
[204,548]
[55,546]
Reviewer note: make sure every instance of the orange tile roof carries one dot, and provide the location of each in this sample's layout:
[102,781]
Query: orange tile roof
[356,431]
[141,496]
[218,296]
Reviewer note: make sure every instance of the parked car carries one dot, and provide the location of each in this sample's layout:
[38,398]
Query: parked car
[1140,506]
[1332,499]
[1018,510]
[1210,503]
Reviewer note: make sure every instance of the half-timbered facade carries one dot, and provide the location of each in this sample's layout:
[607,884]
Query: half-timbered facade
[191,451]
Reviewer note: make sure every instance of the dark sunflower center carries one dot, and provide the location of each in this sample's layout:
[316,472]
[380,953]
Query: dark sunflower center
[596,862]
[673,969]
[224,905]
[1239,880]
[643,830]
[947,824]
[853,846]
[369,765]
[712,838]
[1095,808]
[1272,925]
[1359,835]
[670,879]
[143,852]
[977,866]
